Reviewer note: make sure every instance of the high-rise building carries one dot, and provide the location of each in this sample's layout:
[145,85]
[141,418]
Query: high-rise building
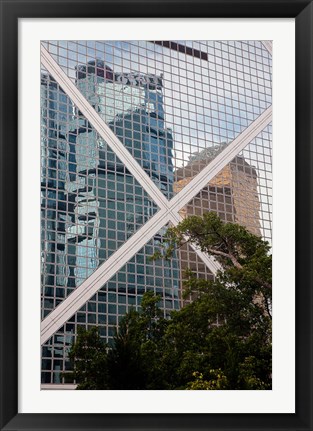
[136,135]
[56,210]
[114,205]
[95,203]
[232,194]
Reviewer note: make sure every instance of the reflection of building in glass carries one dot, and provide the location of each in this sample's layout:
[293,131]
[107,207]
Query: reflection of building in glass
[56,210]
[232,194]
[132,106]
[92,204]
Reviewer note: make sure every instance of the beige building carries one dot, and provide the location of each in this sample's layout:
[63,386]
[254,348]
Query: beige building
[232,193]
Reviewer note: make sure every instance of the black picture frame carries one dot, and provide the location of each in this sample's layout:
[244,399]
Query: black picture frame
[11,11]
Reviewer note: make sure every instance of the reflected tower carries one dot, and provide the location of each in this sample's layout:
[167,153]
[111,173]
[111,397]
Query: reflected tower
[232,194]
[108,209]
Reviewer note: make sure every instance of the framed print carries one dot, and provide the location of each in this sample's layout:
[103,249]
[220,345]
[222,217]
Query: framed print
[148,130]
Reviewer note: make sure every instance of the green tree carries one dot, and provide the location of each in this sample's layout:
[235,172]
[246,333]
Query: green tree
[134,358]
[217,381]
[133,361]
[229,321]
[221,340]
[124,358]
[89,358]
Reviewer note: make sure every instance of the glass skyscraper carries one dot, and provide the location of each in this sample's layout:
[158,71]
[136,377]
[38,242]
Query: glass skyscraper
[135,136]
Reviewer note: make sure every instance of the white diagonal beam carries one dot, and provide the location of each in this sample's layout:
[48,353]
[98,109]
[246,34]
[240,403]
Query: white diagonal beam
[268,45]
[209,261]
[70,305]
[89,287]
[102,128]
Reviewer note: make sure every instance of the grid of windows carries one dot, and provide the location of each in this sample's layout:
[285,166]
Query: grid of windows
[121,293]
[259,155]
[175,106]
[90,204]
[208,99]
[241,192]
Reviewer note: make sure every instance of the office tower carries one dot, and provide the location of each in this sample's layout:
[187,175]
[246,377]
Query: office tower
[232,194]
[102,204]
[136,134]
[132,106]
[55,207]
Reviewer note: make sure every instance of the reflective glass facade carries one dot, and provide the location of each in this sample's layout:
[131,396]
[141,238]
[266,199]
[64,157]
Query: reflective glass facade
[177,107]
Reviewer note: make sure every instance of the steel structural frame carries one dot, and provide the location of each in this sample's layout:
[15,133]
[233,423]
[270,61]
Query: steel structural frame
[168,209]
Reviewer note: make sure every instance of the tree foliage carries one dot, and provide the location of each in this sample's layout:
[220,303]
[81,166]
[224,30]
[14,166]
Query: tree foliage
[221,340]
[89,355]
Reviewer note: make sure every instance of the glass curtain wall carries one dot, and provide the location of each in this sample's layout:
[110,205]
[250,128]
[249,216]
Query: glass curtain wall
[175,106]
